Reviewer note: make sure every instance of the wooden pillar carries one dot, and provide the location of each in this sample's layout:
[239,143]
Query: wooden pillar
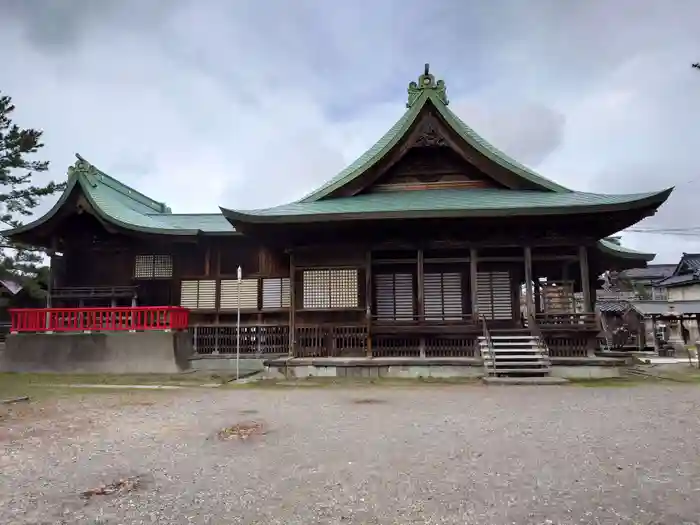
[529,295]
[473,267]
[585,278]
[420,303]
[292,306]
[368,300]
[420,307]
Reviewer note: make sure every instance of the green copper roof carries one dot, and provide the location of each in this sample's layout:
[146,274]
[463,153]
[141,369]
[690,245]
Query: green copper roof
[615,249]
[428,90]
[448,203]
[124,206]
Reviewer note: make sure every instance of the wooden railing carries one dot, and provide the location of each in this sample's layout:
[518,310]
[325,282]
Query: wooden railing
[331,341]
[255,340]
[94,292]
[578,321]
[537,333]
[490,355]
[99,319]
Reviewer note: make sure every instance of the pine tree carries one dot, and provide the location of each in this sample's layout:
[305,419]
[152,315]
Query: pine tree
[19,197]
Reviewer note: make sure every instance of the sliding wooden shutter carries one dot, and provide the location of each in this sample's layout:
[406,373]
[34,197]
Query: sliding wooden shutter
[394,296]
[228,299]
[494,295]
[442,296]
[275,293]
[198,294]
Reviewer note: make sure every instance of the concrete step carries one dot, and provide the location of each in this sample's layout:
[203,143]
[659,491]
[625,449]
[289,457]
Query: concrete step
[506,337]
[532,357]
[517,370]
[547,380]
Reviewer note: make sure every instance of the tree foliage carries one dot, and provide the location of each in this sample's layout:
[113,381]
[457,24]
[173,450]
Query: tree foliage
[19,196]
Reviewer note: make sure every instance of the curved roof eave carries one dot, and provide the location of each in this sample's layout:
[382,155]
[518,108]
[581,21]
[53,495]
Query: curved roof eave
[48,215]
[266,217]
[615,250]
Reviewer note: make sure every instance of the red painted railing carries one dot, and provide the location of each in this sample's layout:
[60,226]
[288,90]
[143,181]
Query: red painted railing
[99,319]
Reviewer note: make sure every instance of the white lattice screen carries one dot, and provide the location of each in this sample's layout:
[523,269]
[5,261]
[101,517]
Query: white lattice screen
[330,289]
[228,300]
[275,293]
[198,294]
[153,266]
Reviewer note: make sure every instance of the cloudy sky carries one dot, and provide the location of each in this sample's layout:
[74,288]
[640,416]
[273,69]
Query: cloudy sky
[251,103]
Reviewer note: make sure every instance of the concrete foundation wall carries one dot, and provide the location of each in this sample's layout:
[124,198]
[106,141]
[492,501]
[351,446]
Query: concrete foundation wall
[412,369]
[149,352]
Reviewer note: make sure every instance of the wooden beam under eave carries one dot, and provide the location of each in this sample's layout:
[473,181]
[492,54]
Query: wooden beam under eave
[585,278]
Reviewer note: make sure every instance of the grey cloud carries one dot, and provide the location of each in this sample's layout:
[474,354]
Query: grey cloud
[528,132]
[260,101]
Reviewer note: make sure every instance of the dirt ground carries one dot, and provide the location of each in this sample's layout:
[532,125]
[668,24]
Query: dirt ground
[354,455]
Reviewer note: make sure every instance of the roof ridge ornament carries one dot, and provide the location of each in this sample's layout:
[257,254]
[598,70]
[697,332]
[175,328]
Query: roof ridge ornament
[427,82]
[83,167]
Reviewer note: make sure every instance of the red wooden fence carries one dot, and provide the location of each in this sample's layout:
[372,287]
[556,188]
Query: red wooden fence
[99,319]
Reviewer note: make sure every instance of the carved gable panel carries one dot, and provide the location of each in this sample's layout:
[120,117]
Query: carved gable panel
[431,167]
[428,134]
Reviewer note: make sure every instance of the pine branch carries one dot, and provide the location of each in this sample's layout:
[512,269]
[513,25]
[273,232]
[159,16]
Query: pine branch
[20,195]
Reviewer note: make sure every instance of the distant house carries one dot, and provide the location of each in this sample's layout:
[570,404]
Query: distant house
[683,284]
[646,279]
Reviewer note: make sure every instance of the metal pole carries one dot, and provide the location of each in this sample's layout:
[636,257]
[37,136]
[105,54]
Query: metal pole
[238,325]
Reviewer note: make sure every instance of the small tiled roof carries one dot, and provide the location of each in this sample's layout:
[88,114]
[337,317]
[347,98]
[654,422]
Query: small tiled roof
[651,272]
[615,307]
[662,308]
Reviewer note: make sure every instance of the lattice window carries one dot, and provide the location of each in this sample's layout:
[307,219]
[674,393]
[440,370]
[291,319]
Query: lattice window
[442,296]
[229,294]
[275,293]
[153,266]
[198,295]
[394,296]
[330,288]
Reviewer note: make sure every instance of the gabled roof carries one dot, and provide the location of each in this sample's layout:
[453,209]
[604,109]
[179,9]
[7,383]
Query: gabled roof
[689,263]
[119,204]
[428,91]
[535,196]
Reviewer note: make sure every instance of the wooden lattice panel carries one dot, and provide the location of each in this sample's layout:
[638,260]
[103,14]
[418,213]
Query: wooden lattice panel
[343,289]
[153,266]
[275,293]
[229,294]
[330,289]
[162,266]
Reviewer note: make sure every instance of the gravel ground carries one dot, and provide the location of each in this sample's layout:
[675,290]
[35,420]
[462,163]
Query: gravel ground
[428,454]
